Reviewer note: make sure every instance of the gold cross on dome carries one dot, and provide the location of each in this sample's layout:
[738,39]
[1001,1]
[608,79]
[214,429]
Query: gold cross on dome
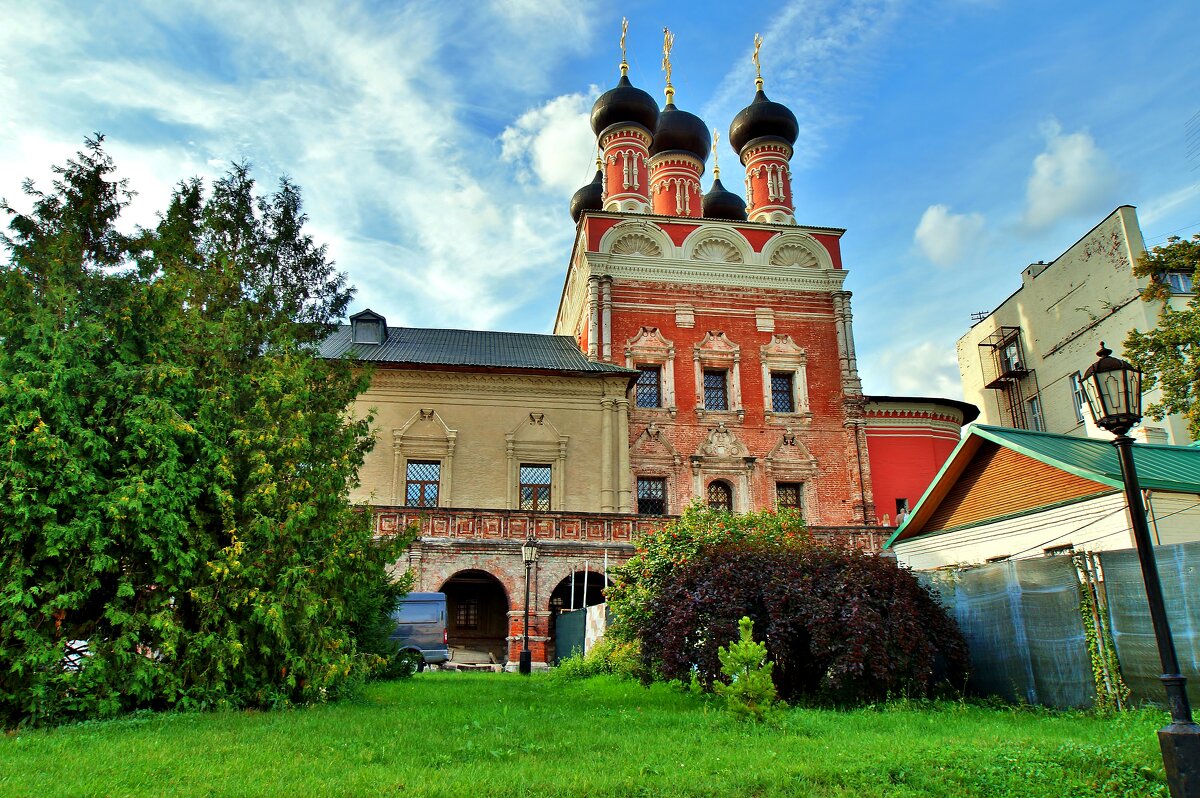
[668,43]
[624,32]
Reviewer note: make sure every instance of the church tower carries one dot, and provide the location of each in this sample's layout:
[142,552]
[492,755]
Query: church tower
[732,313]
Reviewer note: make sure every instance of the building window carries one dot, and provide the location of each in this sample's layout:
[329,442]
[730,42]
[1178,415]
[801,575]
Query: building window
[1064,550]
[901,510]
[649,387]
[421,483]
[1077,394]
[466,614]
[782,396]
[720,496]
[716,391]
[1178,282]
[1011,358]
[535,487]
[651,496]
[790,495]
[1035,414]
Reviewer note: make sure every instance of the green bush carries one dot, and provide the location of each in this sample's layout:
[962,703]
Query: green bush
[639,582]
[607,657]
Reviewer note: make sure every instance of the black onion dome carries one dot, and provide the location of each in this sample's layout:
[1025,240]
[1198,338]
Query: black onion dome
[760,118]
[624,103]
[720,203]
[680,130]
[588,198]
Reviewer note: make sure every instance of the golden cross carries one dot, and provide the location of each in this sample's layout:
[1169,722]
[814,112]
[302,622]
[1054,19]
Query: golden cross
[624,31]
[668,43]
[758,40]
[716,157]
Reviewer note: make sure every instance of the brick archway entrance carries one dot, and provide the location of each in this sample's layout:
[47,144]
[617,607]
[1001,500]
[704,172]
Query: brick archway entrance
[477,617]
[577,590]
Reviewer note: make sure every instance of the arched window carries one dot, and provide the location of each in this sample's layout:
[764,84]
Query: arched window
[720,496]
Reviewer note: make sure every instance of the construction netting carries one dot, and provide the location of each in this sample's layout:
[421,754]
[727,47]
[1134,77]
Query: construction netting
[1025,623]
[1179,572]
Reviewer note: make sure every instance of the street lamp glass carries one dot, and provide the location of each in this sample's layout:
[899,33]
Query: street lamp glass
[1113,389]
[529,551]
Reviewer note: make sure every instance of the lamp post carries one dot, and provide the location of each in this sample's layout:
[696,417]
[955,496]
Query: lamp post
[1113,389]
[529,553]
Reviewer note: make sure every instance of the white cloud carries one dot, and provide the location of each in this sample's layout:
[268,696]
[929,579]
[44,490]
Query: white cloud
[1071,177]
[927,369]
[354,104]
[947,238]
[809,51]
[553,142]
[1157,207]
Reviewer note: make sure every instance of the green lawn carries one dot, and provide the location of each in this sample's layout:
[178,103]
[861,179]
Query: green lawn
[451,734]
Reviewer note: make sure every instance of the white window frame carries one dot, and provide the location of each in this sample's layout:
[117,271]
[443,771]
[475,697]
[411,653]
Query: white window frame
[1036,421]
[1077,394]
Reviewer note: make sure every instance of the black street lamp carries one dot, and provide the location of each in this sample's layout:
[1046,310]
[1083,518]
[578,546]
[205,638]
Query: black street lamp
[1113,389]
[529,553]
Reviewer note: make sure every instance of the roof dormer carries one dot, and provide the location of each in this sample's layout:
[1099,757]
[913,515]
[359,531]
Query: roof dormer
[368,327]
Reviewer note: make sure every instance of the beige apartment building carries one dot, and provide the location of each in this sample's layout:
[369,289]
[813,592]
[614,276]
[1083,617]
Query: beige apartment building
[1022,363]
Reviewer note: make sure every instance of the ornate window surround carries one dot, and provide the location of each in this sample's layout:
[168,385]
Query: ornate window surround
[783,356]
[650,348]
[716,352]
[536,440]
[790,461]
[425,436]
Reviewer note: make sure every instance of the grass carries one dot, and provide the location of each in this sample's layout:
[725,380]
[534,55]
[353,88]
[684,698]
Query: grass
[452,734]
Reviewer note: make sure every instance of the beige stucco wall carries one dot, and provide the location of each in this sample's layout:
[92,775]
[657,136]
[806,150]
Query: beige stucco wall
[482,426]
[1099,524]
[1065,309]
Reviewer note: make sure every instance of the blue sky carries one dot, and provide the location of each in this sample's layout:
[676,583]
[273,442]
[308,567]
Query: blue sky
[437,144]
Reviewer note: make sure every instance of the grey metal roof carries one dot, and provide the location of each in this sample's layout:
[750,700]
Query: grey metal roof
[480,348]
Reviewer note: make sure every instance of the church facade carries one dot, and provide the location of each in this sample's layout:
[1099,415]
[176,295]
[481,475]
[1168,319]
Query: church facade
[703,350]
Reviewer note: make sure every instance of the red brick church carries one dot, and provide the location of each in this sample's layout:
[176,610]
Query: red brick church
[703,350]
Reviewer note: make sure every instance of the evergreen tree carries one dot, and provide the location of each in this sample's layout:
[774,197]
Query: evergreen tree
[177,461]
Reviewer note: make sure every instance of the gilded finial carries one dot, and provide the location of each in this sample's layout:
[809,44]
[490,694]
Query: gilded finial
[668,43]
[716,157]
[758,81]
[624,32]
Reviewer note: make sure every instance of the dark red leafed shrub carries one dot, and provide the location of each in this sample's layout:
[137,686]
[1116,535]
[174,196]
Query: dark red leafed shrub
[840,626]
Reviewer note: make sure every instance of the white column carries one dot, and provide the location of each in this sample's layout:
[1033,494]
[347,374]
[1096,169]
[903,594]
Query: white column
[606,455]
[593,317]
[621,452]
[606,303]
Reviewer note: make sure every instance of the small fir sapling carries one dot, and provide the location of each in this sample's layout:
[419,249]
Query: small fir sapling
[750,693]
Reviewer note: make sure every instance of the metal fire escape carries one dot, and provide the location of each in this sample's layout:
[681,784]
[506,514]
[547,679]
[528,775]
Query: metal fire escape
[1005,371]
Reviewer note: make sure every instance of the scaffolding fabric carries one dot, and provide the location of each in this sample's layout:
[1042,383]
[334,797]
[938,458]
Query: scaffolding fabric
[1129,614]
[1022,620]
[1022,623]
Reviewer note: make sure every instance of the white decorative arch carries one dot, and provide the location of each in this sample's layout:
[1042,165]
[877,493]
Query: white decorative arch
[697,240]
[633,236]
[798,251]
